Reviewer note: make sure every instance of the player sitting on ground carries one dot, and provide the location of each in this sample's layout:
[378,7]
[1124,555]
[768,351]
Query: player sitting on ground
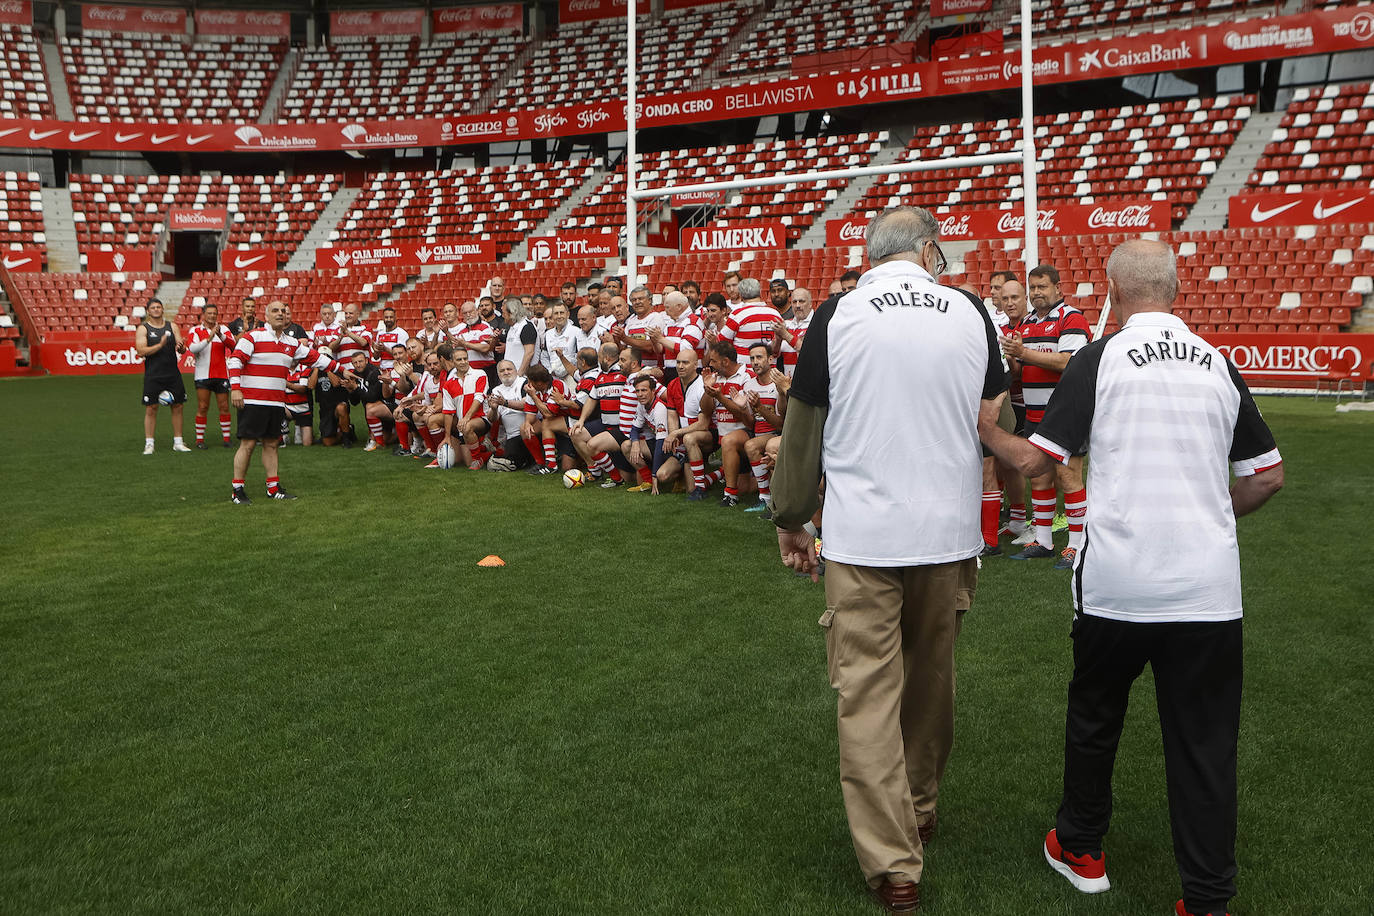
[506,412]
[685,418]
[547,408]
[723,398]
[464,411]
[413,412]
[767,402]
[596,432]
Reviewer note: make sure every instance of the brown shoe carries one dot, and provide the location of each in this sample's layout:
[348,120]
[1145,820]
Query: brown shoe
[899,898]
[927,830]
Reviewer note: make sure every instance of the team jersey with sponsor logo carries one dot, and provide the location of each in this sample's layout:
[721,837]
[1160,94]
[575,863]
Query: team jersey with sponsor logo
[298,401]
[211,348]
[1163,413]
[1064,329]
[640,328]
[686,404]
[752,323]
[606,389]
[348,346]
[261,361]
[478,333]
[322,335]
[685,332]
[632,412]
[768,397]
[532,397]
[792,340]
[732,388]
[386,339]
[462,394]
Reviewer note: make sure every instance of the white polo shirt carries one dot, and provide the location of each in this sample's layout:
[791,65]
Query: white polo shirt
[902,363]
[1161,411]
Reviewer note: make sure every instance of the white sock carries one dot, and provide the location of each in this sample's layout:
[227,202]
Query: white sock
[148,441]
[177,441]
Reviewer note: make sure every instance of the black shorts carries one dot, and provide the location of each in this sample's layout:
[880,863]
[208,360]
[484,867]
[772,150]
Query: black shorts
[217,385]
[259,422]
[594,426]
[155,385]
[616,434]
[301,418]
[517,453]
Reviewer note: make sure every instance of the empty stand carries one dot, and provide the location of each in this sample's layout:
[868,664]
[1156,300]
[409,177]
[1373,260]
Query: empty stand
[1227,278]
[168,79]
[504,203]
[389,78]
[1156,151]
[796,27]
[304,290]
[584,62]
[1055,17]
[21,73]
[265,211]
[21,211]
[796,205]
[812,268]
[1325,141]
[61,303]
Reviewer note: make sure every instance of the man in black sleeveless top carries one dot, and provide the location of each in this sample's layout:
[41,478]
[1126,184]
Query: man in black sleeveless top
[156,342]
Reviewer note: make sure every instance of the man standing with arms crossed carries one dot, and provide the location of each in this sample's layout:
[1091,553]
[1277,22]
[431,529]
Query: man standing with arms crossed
[258,369]
[902,533]
[1157,580]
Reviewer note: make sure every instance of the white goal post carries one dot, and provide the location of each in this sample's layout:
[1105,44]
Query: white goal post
[634,193]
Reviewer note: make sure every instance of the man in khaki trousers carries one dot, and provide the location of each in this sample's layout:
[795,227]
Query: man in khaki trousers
[885,401]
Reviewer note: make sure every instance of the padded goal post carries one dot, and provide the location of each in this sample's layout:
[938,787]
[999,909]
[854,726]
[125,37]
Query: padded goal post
[1026,155]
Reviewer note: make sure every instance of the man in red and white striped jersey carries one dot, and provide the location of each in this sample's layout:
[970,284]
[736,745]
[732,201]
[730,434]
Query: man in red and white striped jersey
[387,335]
[768,402]
[682,331]
[480,340]
[258,369]
[209,341]
[641,326]
[752,321]
[792,331]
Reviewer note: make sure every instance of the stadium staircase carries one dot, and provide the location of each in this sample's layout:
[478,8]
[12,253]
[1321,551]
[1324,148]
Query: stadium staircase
[59,228]
[487,100]
[747,32]
[549,225]
[57,81]
[172,293]
[841,206]
[285,74]
[338,207]
[1212,205]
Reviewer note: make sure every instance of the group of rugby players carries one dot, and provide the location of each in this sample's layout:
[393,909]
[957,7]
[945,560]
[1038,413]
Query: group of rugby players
[638,389]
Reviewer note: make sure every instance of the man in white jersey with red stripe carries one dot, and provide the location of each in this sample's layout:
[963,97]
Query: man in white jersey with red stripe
[752,321]
[210,343]
[258,369]
[1157,580]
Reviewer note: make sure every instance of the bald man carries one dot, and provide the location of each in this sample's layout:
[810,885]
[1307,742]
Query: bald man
[1158,579]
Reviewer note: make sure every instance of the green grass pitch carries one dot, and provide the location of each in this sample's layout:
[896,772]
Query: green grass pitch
[325,706]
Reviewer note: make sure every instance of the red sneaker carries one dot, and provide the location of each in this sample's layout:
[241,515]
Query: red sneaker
[1086,873]
[1181,910]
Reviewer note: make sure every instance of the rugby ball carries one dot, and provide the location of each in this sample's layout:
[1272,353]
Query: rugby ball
[165,397]
[574,479]
[446,457]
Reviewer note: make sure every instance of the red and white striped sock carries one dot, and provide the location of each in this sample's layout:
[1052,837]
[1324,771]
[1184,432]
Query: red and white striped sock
[402,433]
[431,438]
[1076,508]
[238,484]
[698,474]
[1018,512]
[550,454]
[714,477]
[224,425]
[200,430]
[602,462]
[992,507]
[762,478]
[730,491]
[1043,503]
[273,485]
[374,426]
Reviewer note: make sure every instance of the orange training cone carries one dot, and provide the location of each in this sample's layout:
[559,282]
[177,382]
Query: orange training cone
[491,560]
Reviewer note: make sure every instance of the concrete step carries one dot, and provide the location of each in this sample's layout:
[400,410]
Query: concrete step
[57,81]
[280,85]
[850,195]
[59,231]
[334,212]
[550,223]
[1213,204]
[172,293]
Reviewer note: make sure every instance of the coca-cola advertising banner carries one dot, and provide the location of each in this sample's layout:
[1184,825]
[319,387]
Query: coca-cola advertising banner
[470,20]
[742,237]
[244,23]
[939,8]
[120,260]
[160,20]
[1298,358]
[197,219]
[1062,219]
[686,4]
[406,254]
[22,260]
[575,245]
[239,259]
[586,10]
[16,12]
[97,354]
[365,23]
[1303,208]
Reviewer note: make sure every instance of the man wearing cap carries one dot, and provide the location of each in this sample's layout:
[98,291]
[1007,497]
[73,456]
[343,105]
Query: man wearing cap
[778,293]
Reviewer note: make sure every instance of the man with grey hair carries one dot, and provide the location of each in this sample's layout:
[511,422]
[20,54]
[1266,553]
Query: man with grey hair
[903,481]
[1157,580]
[640,327]
[789,334]
[752,322]
[522,337]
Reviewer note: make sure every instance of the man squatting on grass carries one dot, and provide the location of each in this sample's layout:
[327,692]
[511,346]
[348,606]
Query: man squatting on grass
[902,523]
[1157,579]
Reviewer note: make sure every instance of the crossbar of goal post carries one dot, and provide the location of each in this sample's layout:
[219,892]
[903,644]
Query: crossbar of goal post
[634,193]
